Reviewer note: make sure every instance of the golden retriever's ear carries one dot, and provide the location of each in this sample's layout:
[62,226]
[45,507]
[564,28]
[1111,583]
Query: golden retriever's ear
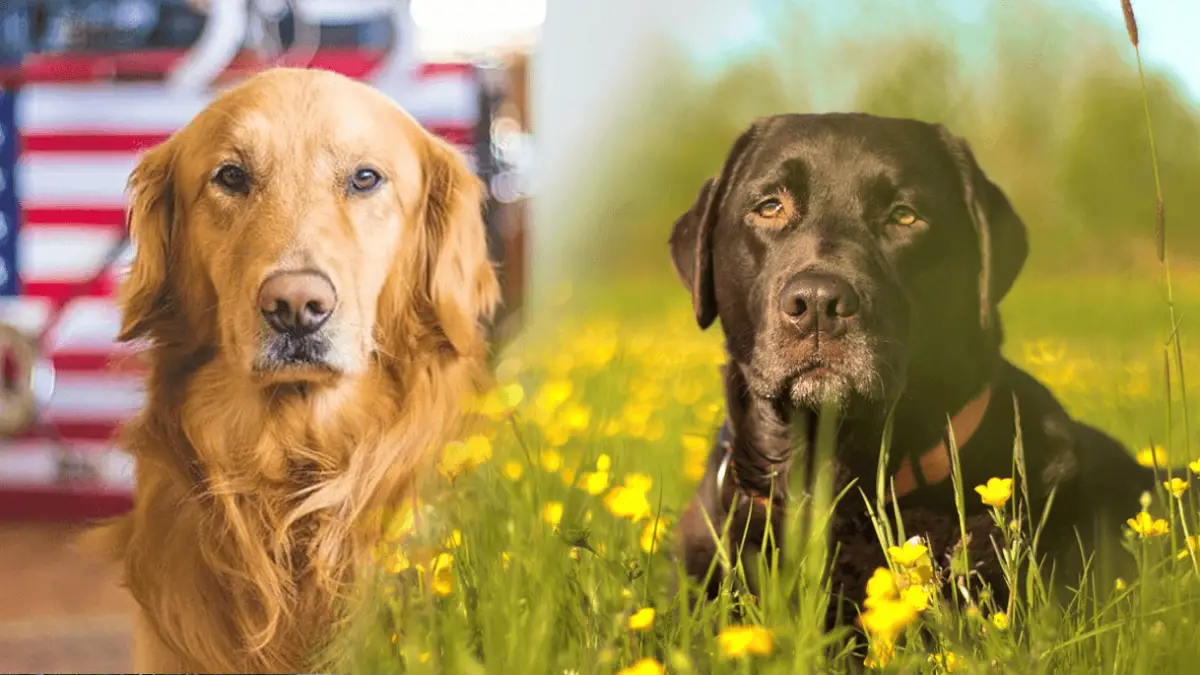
[460,279]
[144,294]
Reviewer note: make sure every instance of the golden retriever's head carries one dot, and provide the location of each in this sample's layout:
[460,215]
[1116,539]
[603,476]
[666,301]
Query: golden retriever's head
[303,226]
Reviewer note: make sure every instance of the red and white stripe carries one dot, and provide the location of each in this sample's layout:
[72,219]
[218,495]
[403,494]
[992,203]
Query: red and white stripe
[80,139]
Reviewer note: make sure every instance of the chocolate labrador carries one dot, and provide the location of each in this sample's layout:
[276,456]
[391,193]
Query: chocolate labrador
[856,263]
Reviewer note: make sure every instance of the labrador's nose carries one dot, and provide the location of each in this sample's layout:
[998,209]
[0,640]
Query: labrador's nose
[819,302]
[297,303]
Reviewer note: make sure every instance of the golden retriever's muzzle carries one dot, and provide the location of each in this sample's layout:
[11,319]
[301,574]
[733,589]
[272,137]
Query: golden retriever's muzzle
[296,307]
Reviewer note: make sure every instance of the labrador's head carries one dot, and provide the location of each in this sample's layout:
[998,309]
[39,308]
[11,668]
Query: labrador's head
[844,253]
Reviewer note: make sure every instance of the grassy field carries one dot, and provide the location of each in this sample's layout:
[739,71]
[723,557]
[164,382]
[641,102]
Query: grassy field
[543,557]
[550,554]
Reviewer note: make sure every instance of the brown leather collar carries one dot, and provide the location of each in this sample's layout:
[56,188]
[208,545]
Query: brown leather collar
[933,466]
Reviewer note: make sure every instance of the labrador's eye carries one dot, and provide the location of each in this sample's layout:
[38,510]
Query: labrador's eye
[769,208]
[232,179]
[903,216]
[365,180]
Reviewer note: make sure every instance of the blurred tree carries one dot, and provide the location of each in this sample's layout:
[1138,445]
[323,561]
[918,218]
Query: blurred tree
[1047,95]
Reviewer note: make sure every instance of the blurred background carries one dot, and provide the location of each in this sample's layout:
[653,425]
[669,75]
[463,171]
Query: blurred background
[594,125]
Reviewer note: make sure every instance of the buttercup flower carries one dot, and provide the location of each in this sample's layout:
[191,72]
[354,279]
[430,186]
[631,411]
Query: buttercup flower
[552,394]
[996,493]
[646,666]
[652,535]
[513,470]
[1176,486]
[594,482]
[1190,544]
[625,502]
[880,654]
[1151,457]
[1194,466]
[916,597]
[459,457]
[881,587]
[551,461]
[552,513]
[443,575]
[908,555]
[642,619]
[1147,526]
[639,481]
[948,661]
[737,641]
[888,618]
[1000,621]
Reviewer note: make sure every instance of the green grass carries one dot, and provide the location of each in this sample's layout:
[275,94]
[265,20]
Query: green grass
[644,391]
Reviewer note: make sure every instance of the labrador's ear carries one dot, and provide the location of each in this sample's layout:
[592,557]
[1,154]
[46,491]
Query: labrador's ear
[691,238]
[1003,240]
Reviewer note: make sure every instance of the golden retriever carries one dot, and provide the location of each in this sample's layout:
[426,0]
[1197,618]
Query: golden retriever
[312,280]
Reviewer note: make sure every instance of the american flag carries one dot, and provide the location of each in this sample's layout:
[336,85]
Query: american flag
[68,142]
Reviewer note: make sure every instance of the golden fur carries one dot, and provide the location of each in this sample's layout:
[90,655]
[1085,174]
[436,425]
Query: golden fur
[253,489]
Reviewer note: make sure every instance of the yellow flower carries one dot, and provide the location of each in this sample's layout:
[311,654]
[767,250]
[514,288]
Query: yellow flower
[642,619]
[639,481]
[948,661]
[880,654]
[499,402]
[1176,487]
[1000,621]
[454,540]
[1119,584]
[594,482]
[916,597]
[1148,527]
[646,666]
[513,470]
[626,502]
[881,587]
[652,535]
[552,461]
[886,619]
[552,394]
[996,493]
[505,559]
[1190,544]
[908,555]
[443,574]
[568,477]
[742,640]
[1195,466]
[577,417]
[603,463]
[552,513]
[460,457]
[1151,457]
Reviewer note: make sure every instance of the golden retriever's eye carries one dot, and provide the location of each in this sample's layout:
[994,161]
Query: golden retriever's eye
[769,208]
[364,180]
[903,216]
[233,179]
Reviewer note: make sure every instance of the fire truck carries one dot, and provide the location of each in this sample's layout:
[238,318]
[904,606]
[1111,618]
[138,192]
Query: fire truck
[85,87]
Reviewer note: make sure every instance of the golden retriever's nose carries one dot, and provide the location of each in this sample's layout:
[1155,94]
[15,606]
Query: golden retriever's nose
[298,303]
